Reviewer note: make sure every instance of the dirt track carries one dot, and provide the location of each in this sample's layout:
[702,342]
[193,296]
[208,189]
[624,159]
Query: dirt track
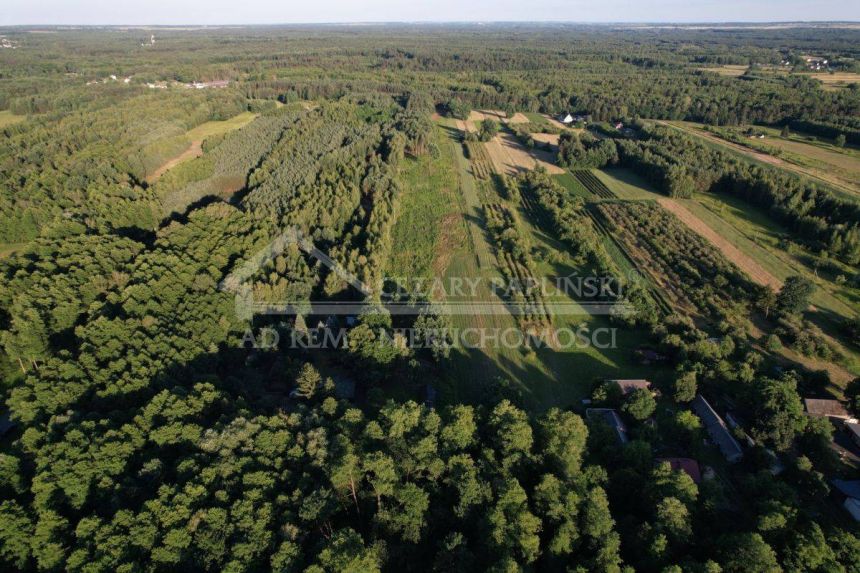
[196,150]
[743,262]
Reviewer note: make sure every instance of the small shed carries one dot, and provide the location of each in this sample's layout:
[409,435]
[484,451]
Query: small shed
[833,409]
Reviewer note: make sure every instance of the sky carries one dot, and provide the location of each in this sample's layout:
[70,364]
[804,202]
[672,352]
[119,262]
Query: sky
[164,12]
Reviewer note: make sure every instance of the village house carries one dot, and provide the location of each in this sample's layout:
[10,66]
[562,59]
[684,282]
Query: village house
[718,430]
[687,465]
[628,386]
[849,493]
[611,418]
[565,118]
[853,429]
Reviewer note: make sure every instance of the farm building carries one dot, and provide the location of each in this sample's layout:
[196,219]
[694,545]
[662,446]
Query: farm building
[717,429]
[687,465]
[611,418]
[853,431]
[849,492]
[628,386]
[833,409]
[212,84]
[565,118]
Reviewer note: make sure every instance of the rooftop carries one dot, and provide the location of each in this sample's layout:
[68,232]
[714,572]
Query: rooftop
[829,408]
[611,418]
[717,429]
[687,465]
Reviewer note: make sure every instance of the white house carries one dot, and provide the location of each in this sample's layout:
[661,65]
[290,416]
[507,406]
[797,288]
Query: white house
[565,118]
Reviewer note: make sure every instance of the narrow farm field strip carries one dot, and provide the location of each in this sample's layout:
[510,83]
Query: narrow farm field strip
[625,184]
[759,238]
[732,253]
[426,217]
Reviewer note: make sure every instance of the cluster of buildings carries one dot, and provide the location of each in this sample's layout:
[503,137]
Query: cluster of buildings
[816,64]
[205,85]
[7,43]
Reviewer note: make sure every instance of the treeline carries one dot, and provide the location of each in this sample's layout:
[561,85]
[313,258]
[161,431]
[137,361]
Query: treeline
[849,128]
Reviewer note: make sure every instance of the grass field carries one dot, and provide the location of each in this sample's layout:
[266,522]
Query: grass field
[427,205]
[8,118]
[572,184]
[7,249]
[211,128]
[729,70]
[626,185]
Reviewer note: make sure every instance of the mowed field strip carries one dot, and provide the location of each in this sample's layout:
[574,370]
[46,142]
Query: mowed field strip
[746,263]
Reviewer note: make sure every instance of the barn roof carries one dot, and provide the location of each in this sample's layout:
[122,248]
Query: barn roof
[829,408]
[717,429]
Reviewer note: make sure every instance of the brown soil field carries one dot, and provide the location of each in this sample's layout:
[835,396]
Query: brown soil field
[743,262]
[551,138]
[509,156]
[518,118]
[195,150]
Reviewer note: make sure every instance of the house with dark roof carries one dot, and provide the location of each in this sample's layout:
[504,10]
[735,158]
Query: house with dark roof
[849,491]
[687,465]
[611,418]
[717,429]
[853,429]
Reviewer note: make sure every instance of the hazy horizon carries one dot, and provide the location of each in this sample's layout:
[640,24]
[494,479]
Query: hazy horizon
[261,12]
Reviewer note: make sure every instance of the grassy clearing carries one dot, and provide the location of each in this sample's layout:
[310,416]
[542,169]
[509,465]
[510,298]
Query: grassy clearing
[9,118]
[428,199]
[165,154]
[729,70]
[536,118]
[626,185]
[7,249]
[211,128]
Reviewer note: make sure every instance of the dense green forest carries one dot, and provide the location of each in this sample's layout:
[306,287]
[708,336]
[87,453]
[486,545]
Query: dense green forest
[148,434]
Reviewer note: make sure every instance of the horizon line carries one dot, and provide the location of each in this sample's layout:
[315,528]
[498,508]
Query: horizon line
[440,22]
